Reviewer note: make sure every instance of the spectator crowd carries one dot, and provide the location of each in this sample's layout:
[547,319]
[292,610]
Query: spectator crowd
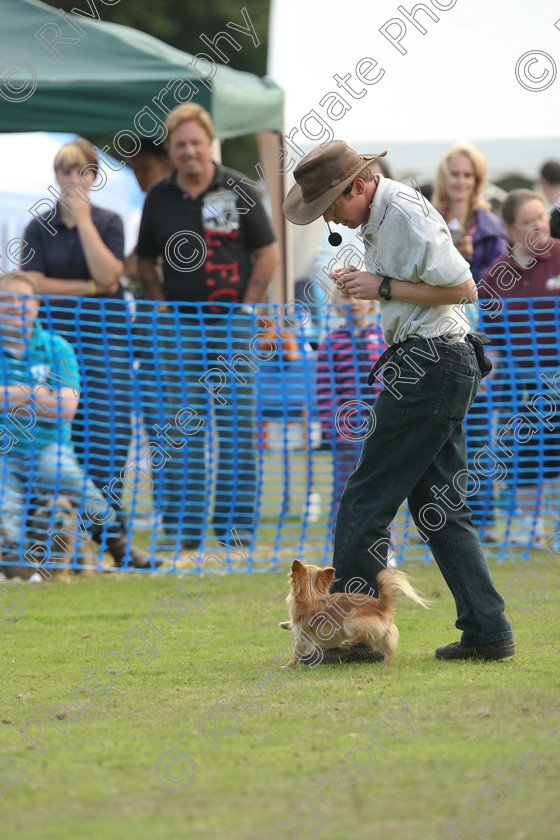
[81,360]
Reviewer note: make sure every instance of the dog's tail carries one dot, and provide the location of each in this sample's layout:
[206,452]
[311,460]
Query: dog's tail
[390,582]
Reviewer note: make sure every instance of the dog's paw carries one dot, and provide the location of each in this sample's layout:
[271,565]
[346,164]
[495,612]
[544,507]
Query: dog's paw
[285,625]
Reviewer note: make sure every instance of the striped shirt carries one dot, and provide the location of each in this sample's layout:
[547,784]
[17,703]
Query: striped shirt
[343,363]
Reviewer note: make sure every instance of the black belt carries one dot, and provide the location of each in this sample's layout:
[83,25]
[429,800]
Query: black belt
[386,356]
[478,340]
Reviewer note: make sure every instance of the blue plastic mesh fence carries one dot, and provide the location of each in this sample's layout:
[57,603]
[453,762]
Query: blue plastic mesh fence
[223,439]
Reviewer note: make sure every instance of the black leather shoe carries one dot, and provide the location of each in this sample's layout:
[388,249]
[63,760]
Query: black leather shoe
[337,656]
[138,557]
[496,650]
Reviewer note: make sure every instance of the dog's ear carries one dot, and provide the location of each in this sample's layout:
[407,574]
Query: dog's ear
[297,575]
[325,577]
[298,568]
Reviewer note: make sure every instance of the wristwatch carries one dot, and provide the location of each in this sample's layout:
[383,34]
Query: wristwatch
[385,288]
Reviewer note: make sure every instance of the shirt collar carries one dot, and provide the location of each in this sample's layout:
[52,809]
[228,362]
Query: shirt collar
[218,179]
[57,222]
[544,257]
[378,206]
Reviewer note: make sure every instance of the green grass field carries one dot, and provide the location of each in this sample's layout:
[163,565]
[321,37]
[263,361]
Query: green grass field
[298,748]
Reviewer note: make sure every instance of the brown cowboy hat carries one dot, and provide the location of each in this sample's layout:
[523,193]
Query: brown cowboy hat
[321,177]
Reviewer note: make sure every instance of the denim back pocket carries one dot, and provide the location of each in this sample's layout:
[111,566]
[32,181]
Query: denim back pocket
[457,392]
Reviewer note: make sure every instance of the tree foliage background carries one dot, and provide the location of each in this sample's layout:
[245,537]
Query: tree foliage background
[181,24]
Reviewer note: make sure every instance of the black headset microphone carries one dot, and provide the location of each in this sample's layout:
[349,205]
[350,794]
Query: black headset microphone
[334,237]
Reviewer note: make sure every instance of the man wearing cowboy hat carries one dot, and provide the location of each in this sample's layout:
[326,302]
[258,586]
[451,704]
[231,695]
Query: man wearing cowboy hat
[415,448]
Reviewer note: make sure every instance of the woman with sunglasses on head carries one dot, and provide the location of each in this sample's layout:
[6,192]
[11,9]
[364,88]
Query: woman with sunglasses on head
[478,235]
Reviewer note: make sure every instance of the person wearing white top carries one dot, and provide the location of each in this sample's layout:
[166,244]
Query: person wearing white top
[415,447]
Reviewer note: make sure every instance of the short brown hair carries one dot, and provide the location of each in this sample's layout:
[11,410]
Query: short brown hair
[550,172]
[76,153]
[515,200]
[23,277]
[366,175]
[187,112]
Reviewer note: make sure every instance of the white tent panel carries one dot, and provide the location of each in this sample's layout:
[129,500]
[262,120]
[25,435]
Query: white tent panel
[458,80]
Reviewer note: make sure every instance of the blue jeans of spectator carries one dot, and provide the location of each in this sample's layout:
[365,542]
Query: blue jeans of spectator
[535,449]
[99,330]
[51,470]
[415,451]
[156,348]
[205,403]
[101,430]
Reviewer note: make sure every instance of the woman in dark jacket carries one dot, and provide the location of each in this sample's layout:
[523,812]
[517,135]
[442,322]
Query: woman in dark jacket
[76,259]
[524,288]
[478,234]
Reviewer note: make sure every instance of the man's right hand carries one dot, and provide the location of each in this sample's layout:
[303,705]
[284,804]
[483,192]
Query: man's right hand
[338,274]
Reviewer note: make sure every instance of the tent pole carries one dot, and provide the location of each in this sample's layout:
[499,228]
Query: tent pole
[283,280]
[217,150]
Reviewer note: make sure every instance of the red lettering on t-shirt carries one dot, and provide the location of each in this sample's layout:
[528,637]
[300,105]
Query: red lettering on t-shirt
[214,238]
[222,296]
[225,271]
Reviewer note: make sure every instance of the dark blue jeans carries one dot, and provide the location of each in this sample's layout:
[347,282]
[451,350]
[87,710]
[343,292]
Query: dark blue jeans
[48,470]
[99,331]
[222,455]
[101,429]
[416,451]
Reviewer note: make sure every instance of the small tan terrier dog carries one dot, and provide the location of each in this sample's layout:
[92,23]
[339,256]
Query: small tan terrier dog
[327,620]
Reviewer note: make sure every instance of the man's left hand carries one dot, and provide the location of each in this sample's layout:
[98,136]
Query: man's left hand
[361,284]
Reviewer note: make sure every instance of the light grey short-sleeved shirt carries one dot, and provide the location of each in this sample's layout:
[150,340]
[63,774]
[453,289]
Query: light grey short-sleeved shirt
[406,238]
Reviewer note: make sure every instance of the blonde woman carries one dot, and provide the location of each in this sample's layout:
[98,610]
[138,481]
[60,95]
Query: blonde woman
[479,235]
[77,268]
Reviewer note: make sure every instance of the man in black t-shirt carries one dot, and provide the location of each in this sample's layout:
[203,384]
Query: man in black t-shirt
[218,248]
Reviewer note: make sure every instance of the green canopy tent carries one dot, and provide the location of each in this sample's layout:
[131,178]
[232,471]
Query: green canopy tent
[99,81]
[74,72]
